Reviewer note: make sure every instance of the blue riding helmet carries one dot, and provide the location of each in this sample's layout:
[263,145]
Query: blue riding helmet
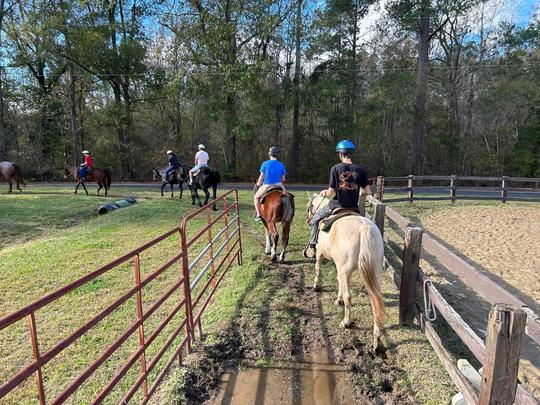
[345,146]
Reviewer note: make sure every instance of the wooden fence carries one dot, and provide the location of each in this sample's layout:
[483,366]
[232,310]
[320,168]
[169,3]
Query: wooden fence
[509,318]
[454,185]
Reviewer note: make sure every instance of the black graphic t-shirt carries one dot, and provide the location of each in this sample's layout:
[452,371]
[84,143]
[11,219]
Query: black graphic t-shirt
[347,179]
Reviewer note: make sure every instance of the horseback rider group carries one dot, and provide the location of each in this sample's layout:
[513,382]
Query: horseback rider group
[347,182]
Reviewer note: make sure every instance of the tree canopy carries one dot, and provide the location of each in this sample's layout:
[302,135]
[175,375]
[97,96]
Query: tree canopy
[422,86]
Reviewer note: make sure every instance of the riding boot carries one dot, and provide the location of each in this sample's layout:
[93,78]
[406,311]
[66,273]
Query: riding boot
[310,251]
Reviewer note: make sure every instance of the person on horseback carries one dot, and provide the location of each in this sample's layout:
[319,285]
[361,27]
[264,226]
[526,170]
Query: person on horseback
[174,165]
[272,174]
[346,180]
[86,166]
[201,160]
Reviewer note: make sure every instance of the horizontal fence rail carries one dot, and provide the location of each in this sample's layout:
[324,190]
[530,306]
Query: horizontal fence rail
[455,186]
[175,330]
[411,276]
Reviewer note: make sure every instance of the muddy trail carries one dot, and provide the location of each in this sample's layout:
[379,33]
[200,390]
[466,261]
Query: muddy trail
[284,346]
[294,353]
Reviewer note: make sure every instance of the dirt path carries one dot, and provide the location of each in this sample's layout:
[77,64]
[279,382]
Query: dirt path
[306,374]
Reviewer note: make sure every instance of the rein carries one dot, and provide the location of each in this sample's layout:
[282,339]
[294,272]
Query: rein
[308,217]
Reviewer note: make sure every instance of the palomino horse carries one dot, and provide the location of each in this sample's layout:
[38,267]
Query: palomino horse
[277,207]
[100,176]
[174,178]
[12,171]
[353,242]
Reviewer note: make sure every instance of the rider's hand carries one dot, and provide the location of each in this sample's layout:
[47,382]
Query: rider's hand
[323,193]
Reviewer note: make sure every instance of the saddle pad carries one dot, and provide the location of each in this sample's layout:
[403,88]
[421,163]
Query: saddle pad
[271,190]
[326,224]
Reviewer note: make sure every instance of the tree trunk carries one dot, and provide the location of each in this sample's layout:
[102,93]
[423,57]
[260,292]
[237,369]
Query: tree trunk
[418,127]
[127,124]
[230,135]
[74,121]
[230,108]
[354,86]
[295,141]
[3,130]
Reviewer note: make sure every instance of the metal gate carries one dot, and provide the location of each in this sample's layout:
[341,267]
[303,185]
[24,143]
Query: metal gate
[198,274]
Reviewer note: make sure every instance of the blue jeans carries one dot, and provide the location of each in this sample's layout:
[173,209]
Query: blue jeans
[168,172]
[324,212]
[82,171]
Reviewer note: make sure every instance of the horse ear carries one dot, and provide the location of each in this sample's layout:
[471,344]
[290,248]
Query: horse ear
[308,195]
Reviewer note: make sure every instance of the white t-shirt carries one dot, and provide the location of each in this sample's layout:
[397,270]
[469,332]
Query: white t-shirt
[201,157]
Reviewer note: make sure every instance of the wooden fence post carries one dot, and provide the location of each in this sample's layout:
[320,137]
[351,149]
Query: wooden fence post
[453,188]
[410,184]
[362,205]
[380,187]
[506,326]
[504,192]
[380,209]
[409,275]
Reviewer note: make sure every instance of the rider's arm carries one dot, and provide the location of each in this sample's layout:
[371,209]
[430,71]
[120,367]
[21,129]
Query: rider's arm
[366,190]
[328,193]
[260,180]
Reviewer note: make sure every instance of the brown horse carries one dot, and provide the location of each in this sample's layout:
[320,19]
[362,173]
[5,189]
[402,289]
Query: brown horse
[277,207]
[100,176]
[12,171]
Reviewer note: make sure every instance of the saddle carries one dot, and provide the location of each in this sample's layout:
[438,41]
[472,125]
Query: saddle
[326,224]
[171,175]
[206,169]
[262,198]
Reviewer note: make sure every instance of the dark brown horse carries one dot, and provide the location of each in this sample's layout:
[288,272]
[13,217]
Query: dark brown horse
[278,206]
[100,176]
[12,171]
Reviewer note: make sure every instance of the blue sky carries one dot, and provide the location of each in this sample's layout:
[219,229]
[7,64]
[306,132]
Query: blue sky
[526,10]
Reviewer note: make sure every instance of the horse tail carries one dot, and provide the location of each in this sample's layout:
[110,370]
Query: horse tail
[370,263]
[287,208]
[18,174]
[107,179]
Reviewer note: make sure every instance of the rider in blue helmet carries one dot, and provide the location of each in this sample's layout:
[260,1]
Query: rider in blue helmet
[347,181]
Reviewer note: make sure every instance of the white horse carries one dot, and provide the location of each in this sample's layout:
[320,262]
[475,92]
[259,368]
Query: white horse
[353,242]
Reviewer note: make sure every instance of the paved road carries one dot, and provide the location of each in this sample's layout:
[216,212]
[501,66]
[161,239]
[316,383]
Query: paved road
[465,192]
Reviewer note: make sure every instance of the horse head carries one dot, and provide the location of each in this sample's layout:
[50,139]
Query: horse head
[315,202]
[69,171]
[156,174]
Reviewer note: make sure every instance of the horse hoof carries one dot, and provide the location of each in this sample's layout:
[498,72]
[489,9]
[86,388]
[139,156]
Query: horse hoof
[316,288]
[344,325]
[378,348]
[338,302]
[267,252]
[273,258]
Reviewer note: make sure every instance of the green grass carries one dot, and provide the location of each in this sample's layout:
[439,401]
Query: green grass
[50,237]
